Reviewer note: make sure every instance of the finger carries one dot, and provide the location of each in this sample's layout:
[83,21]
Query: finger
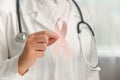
[40,39]
[52,37]
[40,53]
[50,34]
[51,41]
[40,46]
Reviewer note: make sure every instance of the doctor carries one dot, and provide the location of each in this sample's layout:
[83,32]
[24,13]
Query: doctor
[52,50]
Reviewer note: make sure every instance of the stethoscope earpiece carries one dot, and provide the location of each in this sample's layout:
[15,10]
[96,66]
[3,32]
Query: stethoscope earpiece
[21,37]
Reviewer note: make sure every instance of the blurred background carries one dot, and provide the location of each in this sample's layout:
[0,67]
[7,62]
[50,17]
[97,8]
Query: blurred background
[105,15]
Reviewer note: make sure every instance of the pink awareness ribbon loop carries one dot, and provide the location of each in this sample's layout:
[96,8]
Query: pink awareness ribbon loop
[61,42]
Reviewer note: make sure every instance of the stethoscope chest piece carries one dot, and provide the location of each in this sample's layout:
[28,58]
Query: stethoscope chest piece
[21,37]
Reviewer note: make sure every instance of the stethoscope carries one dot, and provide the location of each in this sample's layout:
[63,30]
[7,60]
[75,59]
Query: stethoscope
[22,36]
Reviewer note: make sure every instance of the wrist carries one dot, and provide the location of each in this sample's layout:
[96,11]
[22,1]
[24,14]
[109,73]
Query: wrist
[21,70]
[21,65]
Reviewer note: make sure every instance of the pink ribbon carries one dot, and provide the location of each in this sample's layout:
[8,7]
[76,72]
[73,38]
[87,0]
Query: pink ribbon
[61,42]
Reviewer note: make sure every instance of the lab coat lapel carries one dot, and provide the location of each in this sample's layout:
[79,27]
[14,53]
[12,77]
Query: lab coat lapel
[30,8]
[38,17]
[41,19]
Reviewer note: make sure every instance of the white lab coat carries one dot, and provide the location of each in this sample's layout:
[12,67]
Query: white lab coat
[49,67]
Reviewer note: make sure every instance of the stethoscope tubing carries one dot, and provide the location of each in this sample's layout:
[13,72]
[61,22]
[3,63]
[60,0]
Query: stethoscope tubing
[90,66]
[82,19]
[18,16]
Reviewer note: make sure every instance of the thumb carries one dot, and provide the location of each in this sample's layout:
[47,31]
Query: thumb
[52,36]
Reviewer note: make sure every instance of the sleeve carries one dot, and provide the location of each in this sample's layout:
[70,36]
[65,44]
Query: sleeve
[8,66]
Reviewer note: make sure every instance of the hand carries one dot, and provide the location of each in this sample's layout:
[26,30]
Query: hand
[35,47]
